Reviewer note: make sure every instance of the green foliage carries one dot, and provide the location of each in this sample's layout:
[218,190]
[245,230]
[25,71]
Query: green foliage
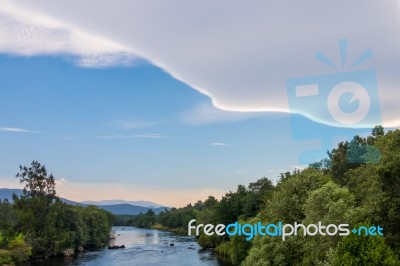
[146,220]
[38,184]
[20,251]
[287,205]
[231,206]
[15,250]
[177,218]
[7,218]
[358,184]
[365,188]
[286,202]
[257,194]
[235,250]
[389,172]
[124,220]
[98,224]
[364,250]
[5,257]
[274,251]
[208,241]
[329,204]
[38,224]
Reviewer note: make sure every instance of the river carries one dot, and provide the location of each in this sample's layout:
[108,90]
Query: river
[144,247]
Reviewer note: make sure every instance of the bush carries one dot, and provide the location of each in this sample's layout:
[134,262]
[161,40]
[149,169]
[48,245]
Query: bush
[19,250]
[5,257]
[364,250]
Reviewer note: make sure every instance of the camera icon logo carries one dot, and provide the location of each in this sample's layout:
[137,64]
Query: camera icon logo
[346,99]
[359,93]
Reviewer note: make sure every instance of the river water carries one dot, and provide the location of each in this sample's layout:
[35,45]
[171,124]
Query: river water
[144,247]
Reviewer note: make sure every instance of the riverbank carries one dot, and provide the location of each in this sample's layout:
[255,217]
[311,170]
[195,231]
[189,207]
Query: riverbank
[179,231]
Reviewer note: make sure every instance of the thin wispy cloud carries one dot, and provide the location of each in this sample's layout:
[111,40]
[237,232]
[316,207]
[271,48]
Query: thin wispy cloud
[134,124]
[18,130]
[147,136]
[219,144]
[150,136]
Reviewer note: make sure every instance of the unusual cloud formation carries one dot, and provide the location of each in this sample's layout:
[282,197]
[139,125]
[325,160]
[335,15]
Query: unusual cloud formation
[240,54]
[17,130]
[28,33]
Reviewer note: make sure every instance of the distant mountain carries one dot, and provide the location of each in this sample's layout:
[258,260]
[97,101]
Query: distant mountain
[6,193]
[128,209]
[123,208]
[160,209]
[71,202]
[141,203]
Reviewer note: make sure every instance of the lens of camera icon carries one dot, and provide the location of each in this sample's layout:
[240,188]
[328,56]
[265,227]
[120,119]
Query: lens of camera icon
[344,99]
[359,96]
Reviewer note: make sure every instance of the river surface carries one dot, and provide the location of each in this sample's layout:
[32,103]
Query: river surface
[144,247]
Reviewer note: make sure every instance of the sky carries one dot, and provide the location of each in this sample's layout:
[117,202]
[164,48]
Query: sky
[174,101]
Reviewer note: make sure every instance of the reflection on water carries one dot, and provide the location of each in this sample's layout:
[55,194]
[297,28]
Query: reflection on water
[144,247]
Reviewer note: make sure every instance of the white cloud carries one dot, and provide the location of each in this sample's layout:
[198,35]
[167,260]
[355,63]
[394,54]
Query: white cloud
[146,135]
[206,113]
[299,167]
[219,144]
[18,130]
[240,54]
[29,34]
[150,136]
[61,181]
[133,124]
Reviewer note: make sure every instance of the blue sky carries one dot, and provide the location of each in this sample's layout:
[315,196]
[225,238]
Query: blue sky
[135,126]
[128,124]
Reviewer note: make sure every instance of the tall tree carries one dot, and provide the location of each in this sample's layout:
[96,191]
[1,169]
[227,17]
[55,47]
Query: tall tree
[37,182]
[34,207]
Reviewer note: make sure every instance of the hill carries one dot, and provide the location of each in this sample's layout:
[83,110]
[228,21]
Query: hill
[141,203]
[128,209]
[119,208]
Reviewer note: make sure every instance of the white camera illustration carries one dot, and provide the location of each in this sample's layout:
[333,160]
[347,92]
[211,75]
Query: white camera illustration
[345,99]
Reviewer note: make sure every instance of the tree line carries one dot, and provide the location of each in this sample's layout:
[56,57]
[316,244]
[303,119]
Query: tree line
[38,225]
[358,184]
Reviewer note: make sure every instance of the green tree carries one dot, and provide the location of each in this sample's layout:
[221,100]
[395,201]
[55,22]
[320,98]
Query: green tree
[257,194]
[329,204]
[286,204]
[287,200]
[33,208]
[51,226]
[7,218]
[37,182]
[389,172]
[20,251]
[366,186]
[363,250]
